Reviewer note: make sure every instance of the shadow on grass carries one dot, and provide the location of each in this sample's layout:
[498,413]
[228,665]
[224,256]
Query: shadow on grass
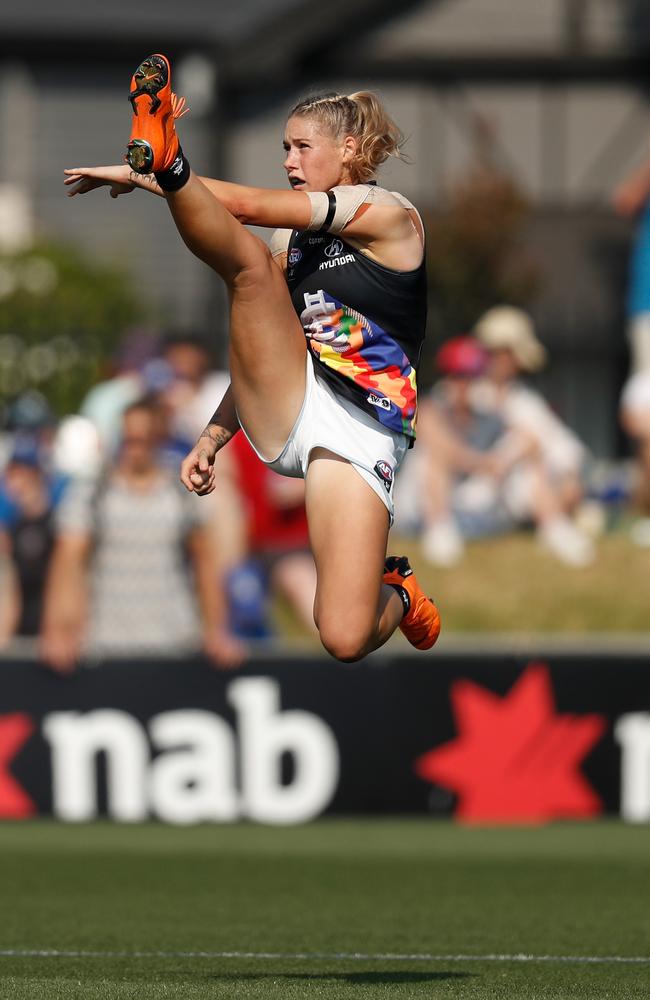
[174,974]
[355,978]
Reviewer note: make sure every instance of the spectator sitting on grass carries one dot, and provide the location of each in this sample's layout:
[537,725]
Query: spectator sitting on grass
[492,455]
[547,488]
[466,453]
[118,581]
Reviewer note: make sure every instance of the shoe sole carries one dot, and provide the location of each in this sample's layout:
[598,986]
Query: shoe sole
[139,156]
[149,79]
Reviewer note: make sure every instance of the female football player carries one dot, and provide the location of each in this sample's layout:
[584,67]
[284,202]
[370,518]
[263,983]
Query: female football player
[323,348]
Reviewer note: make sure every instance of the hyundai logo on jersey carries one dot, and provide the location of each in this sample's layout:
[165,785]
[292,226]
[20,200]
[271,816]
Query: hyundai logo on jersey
[334,249]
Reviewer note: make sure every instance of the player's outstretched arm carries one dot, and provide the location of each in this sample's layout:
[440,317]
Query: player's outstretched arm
[197,469]
[252,206]
[268,207]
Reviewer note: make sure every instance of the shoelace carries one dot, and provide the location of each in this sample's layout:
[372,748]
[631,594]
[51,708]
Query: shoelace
[178,106]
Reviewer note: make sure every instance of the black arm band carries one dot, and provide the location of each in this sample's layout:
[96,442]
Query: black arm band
[331,198]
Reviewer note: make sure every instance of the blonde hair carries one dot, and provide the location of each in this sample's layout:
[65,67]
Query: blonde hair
[363,116]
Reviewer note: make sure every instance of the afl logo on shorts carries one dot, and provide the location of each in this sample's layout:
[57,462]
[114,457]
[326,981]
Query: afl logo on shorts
[295,256]
[385,473]
[334,249]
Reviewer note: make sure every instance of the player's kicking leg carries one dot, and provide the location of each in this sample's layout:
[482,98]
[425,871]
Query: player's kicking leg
[360,600]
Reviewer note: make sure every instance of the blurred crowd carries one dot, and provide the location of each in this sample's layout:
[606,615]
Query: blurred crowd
[103,552]
[494,457]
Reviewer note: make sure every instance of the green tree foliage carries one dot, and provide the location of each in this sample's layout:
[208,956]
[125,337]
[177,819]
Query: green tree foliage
[61,317]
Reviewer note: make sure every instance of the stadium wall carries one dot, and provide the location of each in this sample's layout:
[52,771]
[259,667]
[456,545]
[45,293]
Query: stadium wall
[487,739]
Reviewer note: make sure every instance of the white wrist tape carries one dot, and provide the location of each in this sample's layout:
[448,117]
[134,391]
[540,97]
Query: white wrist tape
[320,205]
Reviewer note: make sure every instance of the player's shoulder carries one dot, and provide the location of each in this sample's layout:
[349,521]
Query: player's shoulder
[384,196]
[373,194]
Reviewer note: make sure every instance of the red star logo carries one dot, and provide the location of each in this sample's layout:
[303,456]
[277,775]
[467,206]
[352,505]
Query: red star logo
[514,758]
[15,730]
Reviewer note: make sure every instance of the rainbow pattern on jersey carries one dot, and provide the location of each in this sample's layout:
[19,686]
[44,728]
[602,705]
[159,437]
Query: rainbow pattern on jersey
[355,348]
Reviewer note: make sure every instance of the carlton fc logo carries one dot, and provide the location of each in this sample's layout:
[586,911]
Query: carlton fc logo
[334,249]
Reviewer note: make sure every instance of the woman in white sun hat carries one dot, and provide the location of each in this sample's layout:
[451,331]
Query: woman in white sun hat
[547,487]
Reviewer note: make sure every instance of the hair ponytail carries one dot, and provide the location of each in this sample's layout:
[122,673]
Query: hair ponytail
[379,137]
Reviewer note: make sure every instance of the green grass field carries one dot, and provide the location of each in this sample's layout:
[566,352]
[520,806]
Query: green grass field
[337,909]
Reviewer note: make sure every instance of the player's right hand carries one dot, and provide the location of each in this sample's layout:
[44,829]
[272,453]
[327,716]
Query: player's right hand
[197,469]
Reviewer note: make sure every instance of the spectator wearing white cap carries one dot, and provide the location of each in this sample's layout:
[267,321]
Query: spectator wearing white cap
[547,488]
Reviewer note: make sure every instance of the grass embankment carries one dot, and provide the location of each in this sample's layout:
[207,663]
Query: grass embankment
[511,585]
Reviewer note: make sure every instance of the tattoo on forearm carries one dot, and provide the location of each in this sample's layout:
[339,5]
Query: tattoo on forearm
[143,180]
[219,435]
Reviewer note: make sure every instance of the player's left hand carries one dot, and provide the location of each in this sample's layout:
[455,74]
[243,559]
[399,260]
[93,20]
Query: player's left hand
[197,469]
[81,180]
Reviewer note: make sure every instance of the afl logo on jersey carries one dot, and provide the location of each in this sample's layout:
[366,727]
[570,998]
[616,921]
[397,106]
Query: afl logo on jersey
[295,256]
[334,249]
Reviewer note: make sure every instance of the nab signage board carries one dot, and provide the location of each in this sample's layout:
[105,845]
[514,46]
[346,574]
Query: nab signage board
[489,739]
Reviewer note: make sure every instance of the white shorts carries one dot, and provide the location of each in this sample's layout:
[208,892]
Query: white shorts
[327,420]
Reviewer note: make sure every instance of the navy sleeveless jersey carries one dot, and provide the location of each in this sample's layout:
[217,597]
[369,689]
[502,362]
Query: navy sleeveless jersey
[364,324]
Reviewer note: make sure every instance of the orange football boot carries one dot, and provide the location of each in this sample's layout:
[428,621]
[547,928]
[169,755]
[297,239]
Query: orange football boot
[421,623]
[153,145]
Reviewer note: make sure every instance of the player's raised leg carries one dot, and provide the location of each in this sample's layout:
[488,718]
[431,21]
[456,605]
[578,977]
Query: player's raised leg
[267,342]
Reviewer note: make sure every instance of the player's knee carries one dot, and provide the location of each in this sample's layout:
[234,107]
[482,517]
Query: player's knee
[256,267]
[346,640]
